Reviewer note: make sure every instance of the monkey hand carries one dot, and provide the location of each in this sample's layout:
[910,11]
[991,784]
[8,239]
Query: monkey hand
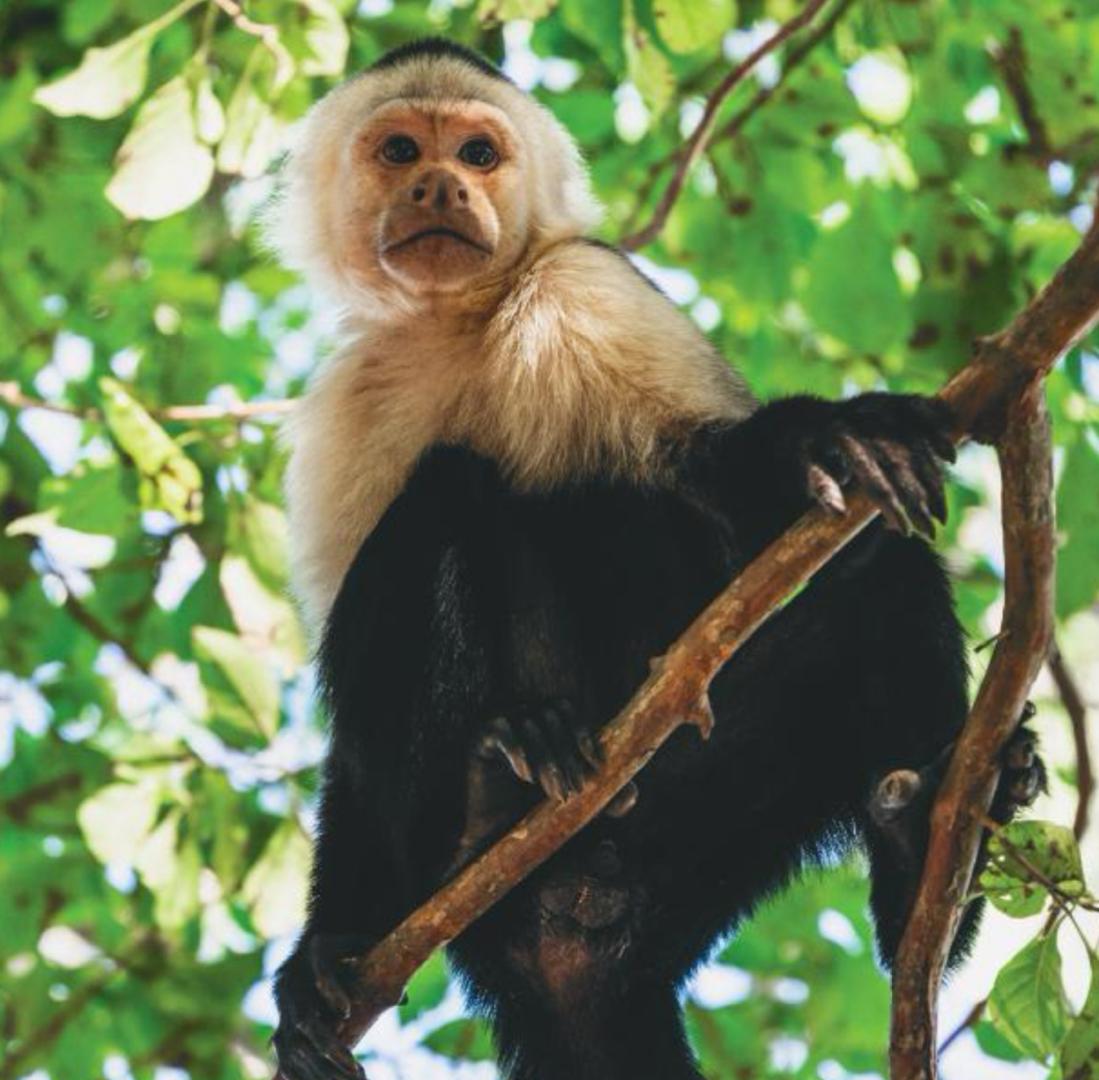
[545,744]
[313,990]
[890,445]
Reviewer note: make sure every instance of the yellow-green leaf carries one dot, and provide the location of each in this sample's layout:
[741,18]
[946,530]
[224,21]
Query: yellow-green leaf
[648,68]
[1080,1052]
[1027,1003]
[687,26]
[326,39]
[248,678]
[172,481]
[252,130]
[106,83]
[276,887]
[495,11]
[162,166]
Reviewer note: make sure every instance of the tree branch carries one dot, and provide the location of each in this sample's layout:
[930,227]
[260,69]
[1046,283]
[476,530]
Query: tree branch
[983,395]
[1073,701]
[696,144]
[11,394]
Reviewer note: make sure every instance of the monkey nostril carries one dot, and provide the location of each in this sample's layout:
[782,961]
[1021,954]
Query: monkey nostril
[418,193]
[463,195]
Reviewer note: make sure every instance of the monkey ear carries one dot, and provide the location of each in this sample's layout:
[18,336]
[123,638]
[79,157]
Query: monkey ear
[564,201]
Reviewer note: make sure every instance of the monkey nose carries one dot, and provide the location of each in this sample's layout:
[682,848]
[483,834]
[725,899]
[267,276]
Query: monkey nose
[439,190]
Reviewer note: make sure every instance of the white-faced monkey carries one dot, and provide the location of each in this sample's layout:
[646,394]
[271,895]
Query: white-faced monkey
[519,478]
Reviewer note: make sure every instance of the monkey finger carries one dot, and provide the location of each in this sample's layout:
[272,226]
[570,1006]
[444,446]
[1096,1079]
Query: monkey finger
[307,1052]
[500,740]
[877,486]
[590,748]
[930,474]
[896,464]
[937,426]
[329,1046]
[824,491]
[562,739]
[586,742]
[542,759]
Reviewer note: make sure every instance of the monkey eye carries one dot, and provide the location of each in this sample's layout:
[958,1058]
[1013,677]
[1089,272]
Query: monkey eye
[400,150]
[479,153]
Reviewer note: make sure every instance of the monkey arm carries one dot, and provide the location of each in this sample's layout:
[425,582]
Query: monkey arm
[761,473]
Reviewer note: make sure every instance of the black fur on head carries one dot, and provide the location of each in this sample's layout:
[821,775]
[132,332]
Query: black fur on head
[431,47]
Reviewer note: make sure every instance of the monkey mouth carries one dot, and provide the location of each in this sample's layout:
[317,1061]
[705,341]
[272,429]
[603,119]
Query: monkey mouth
[439,230]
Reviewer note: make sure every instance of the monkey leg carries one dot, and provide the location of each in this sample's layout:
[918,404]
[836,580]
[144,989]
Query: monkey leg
[561,972]
[898,831]
[861,674]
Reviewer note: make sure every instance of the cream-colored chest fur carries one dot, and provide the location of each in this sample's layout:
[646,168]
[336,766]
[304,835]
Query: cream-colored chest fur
[583,368]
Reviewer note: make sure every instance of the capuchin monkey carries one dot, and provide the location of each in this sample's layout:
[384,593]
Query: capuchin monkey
[521,475]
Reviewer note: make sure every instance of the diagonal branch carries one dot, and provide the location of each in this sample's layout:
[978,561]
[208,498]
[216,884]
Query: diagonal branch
[983,396]
[699,139]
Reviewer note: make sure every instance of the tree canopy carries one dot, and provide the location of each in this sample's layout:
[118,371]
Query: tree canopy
[891,181]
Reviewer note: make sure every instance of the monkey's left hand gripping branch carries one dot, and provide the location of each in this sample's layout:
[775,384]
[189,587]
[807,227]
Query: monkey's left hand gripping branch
[984,397]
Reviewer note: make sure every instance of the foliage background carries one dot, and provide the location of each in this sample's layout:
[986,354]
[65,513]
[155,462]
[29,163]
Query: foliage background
[894,181]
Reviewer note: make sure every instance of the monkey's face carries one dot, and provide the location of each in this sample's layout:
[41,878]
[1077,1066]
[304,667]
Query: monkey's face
[437,196]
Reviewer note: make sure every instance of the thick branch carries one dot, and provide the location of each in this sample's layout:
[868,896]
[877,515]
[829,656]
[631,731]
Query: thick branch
[966,793]
[696,144]
[1004,367]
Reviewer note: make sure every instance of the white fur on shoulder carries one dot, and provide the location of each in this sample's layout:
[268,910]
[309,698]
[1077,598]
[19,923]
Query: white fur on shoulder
[585,368]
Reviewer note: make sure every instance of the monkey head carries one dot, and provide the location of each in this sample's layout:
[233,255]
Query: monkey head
[430,175]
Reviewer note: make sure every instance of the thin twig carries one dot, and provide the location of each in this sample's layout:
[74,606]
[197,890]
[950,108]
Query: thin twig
[11,394]
[701,135]
[971,1018]
[736,123]
[1074,704]
[1012,61]
[267,34]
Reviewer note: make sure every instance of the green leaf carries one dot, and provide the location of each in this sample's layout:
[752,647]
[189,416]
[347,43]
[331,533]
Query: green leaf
[1078,525]
[252,130]
[117,820]
[171,481]
[687,26]
[1027,1004]
[598,23]
[426,989]
[1009,880]
[462,1040]
[258,529]
[648,68]
[89,499]
[1080,1052]
[169,864]
[163,166]
[209,115]
[247,693]
[994,1044]
[106,83]
[853,293]
[496,11]
[325,37]
[276,887]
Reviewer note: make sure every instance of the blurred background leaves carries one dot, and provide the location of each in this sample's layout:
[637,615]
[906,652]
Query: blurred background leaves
[895,180]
